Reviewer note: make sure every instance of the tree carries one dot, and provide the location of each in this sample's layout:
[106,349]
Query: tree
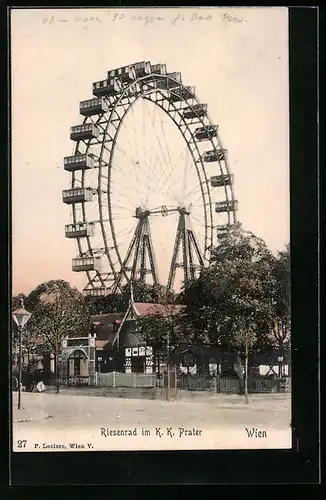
[60,311]
[282,297]
[233,296]
[118,302]
[244,338]
[113,303]
[241,244]
[160,328]
[144,292]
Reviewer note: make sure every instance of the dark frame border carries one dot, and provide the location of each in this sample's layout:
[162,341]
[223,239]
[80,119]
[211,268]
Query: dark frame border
[297,466]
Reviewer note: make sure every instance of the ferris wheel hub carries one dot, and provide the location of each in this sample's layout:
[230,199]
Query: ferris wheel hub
[141,213]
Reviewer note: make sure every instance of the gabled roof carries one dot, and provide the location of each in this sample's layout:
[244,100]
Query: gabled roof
[141,309]
[152,309]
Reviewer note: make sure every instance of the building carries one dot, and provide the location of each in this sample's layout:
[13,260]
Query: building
[134,354]
[115,344]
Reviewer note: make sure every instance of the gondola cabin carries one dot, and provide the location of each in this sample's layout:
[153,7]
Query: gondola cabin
[143,69]
[95,292]
[226,206]
[78,162]
[92,107]
[174,80]
[134,89]
[84,132]
[181,93]
[80,230]
[107,87]
[214,155]
[77,195]
[92,263]
[125,74]
[207,132]
[159,69]
[195,111]
[222,180]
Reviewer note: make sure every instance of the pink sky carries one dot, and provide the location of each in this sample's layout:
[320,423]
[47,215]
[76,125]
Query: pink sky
[240,69]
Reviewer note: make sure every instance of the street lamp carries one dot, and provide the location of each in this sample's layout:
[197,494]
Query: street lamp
[20,316]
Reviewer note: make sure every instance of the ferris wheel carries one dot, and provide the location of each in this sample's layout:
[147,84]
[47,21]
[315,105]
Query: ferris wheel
[150,190]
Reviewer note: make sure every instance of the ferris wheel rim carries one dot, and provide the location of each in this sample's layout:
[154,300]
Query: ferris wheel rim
[131,102]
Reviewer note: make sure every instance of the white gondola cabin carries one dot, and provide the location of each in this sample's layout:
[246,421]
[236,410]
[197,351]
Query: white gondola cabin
[125,74]
[77,195]
[207,132]
[80,230]
[134,89]
[108,87]
[176,80]
[159,69]
[92,263]
[78,162]
[215,155]
[92,107]
[226,206]
[173,81]
[222,180]
[84,131]
[142,68]
[181,93]
[195,111]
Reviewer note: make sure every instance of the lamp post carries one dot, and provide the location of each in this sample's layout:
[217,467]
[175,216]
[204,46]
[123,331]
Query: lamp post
[20,316]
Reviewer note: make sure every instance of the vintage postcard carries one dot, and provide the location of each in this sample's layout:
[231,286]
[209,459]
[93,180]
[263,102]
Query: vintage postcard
[150,229]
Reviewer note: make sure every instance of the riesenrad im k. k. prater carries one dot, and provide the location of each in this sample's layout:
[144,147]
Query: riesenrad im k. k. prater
[150,189]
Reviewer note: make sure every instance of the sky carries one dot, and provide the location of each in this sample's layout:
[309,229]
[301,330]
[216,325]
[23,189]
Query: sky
[236,58]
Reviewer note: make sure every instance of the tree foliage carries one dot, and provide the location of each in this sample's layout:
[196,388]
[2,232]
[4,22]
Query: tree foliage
[60,311]
[118,302]
[282,298]
[240,244]
[161,327]
[237,286]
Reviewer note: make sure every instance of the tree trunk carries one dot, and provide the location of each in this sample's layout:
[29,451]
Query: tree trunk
[239,369]
[246,376]
[57,379]
[158,368]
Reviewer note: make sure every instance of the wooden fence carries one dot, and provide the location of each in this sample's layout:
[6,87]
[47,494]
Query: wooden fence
[231,385]
[117,379]
[196,383]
